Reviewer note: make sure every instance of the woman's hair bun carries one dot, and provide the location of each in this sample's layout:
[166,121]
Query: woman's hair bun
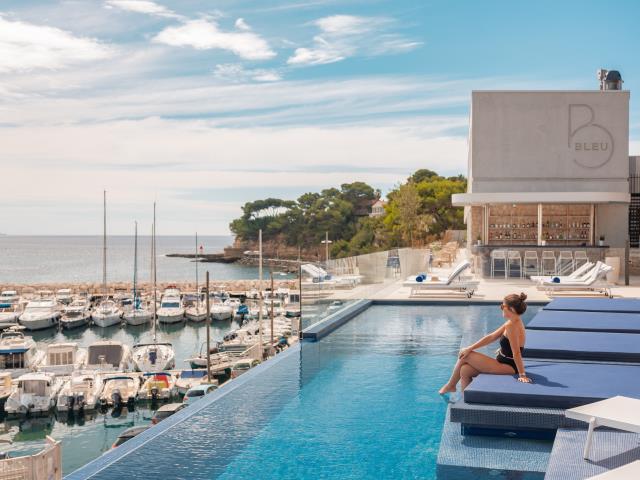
[517,302]
[523,296]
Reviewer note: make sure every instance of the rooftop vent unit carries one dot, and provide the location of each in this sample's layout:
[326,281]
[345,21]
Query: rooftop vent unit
[610,79]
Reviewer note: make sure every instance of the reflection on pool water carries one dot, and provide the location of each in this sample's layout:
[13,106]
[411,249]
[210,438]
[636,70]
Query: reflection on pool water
[85,437]
[360,403]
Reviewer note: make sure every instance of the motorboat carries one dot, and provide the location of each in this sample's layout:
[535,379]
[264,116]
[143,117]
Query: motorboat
[18,354]
[106,314]
[157,386]
[77,314]
[196,313]
[9,298]
[34,393]
[138,315]
[119,390]
[221,310]
[171,309]
[40,314]
[63,358]
[6,386]
[80,392]
[9,316]
[153,357]
[64,296]
[191,378]
[218,361]
[108,356]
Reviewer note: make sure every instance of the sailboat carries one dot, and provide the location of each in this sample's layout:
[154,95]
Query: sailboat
[153,357]
[139,313]
[107,312]
[198,311]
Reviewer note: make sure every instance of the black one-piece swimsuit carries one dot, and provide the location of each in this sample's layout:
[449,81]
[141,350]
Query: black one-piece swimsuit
[505,354]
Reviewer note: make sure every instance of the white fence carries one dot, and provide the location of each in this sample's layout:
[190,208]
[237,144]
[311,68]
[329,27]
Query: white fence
[45,465]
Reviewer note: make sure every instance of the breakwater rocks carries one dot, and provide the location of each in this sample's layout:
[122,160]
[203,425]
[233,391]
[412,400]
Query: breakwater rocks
[237,286]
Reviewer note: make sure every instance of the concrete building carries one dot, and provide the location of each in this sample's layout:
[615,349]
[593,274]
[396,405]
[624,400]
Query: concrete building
[548,169]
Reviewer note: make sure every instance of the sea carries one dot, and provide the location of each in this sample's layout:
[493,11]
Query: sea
[78,259]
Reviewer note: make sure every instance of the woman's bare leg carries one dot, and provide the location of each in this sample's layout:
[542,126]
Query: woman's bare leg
[484,364]
[467,372]
[450,386]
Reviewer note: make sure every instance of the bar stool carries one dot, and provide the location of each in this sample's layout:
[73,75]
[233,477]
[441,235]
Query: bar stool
[531,263]
[549,264]
[514,258]
[580,258]
[566,264]
[498,255]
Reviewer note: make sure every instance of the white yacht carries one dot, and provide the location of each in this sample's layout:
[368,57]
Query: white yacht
[77,314]
[171,309]
[158,386]
[108,356]
[153,357]
[9,298]
[221,310]
[40,314]
[80,392]
[64,296]
[196,313]
[106,314]
[119,389]
[35,392]
[63,358]
[140,315]
[9,316]
[18,354]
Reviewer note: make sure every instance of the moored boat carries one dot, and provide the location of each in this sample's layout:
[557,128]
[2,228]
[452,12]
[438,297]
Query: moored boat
[157,386]
[191,378]
[34,393]
[106,314]
[40,314]
[108,356]
[80,392]
[18,353]
[153,357]
[119,390]
[63,358]
[76,315]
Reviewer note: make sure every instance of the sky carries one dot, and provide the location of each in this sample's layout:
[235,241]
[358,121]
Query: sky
[202,106]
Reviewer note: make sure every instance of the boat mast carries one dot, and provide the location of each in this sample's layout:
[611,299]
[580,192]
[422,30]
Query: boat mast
[135,268]
[197,291]
[260,302]
[155,279]
[104,243]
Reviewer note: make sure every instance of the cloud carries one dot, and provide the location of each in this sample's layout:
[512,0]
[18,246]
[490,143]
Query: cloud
[25,46]
[205,35]
[142,6]
[242,25]
[237,73]
[344,36]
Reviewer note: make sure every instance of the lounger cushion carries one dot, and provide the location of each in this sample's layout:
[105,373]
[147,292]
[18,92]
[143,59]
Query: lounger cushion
[585,321]
[622,305]
[556,385]
[562,345]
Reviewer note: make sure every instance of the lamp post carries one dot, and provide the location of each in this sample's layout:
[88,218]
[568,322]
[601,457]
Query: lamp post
[326,242]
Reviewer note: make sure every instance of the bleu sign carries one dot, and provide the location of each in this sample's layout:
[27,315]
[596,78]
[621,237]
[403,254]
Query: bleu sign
[590,143]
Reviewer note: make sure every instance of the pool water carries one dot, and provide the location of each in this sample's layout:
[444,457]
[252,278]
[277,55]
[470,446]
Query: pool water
[360,403]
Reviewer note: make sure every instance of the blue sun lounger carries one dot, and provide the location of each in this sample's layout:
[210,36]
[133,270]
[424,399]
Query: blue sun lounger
[594,346]
[585,321]
[619,305]
[556,385]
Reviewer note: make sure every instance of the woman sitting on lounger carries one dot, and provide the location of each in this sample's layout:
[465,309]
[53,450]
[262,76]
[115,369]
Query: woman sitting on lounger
[508,360]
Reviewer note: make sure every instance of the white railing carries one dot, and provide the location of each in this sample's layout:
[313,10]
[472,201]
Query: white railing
[44,465]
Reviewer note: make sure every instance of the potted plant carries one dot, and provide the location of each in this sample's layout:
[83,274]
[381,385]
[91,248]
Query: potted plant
[601,241]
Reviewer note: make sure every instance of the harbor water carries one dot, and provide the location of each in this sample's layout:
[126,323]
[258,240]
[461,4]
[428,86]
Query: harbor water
[78,259]
[85,437]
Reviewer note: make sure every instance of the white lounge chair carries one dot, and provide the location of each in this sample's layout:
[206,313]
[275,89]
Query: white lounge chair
[622,413]
[596,282]
[454,282]
[630,471]
[579,274]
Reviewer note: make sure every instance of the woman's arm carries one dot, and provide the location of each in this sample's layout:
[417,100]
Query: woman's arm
[514,340]
[486,340]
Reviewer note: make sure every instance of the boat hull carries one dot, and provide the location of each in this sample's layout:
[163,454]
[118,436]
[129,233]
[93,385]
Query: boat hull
[68,324]
[137,320]
[171,318]
[108,320]
[40,323]
[195,316]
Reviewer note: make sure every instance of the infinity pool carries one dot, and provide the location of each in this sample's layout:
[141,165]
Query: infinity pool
[360,403]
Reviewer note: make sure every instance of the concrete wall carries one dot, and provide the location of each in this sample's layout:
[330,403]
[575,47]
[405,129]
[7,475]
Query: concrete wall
[549,141]
[612,221]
